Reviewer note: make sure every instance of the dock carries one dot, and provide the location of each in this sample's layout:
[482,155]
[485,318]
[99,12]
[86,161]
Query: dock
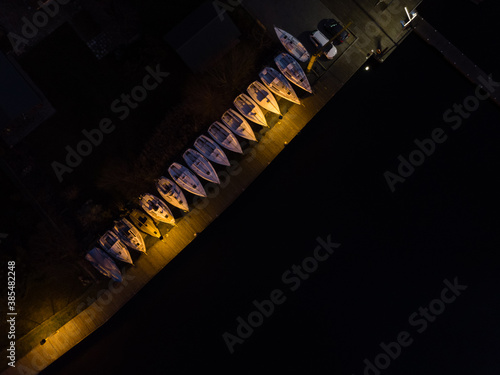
[452,54]
[375,25]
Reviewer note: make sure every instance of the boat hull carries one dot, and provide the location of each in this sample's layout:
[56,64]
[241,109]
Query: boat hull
[200,165]
[129,235]
[186,179]
[172,193]
[248,108]
[292,71]
[144,223]
[238,125]
[292,45]
[278,84]
[209,149]
[263,97]
[112,244]
[103,263]
[224,137]
[156,208]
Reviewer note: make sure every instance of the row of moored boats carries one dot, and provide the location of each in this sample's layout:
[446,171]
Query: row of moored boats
[126,232]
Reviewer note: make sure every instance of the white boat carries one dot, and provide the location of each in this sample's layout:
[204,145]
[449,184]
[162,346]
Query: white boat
[172,193]
[144,223]
[129,235]
[209,149]
[114,247]
[224,137]
[250,109]
[263,97]
[292,71]
[156,208]
[104,264]
[186,179]
[292,45]
[278,84]
[200,165]
[239,126]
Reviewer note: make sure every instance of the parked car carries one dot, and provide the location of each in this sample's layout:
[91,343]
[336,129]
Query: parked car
[332,28]
[319,40]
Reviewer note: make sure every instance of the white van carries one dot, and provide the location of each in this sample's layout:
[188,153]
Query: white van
[320,40]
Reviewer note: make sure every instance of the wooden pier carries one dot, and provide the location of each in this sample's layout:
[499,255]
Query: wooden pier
[451,53]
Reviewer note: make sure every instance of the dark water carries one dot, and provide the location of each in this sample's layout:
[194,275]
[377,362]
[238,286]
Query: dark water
[396,249]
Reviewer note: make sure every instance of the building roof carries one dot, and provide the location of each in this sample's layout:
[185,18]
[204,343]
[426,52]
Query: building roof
[22,106]
[203,35]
